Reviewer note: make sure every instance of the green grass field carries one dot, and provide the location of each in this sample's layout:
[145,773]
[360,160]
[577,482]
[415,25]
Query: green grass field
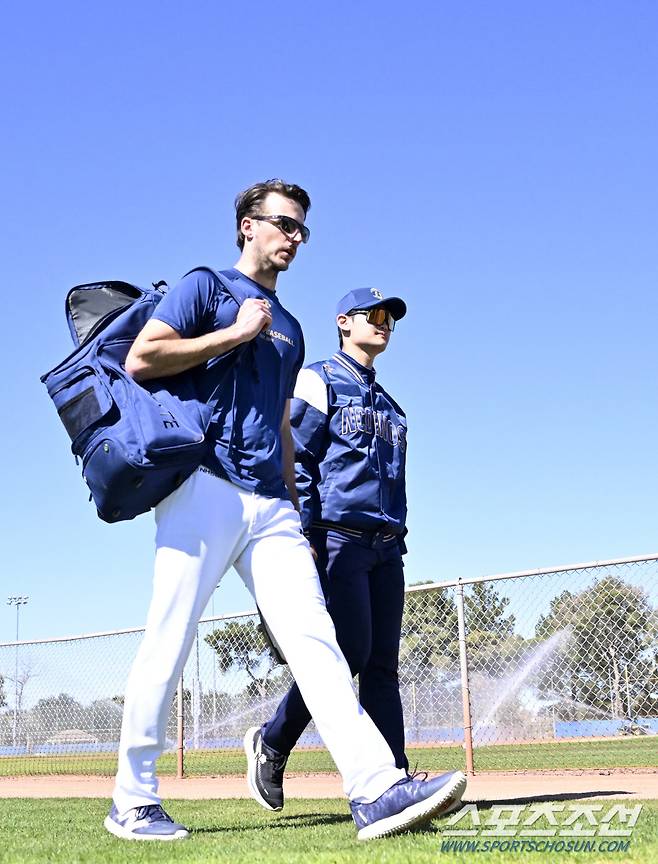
[617,753]
[70,831]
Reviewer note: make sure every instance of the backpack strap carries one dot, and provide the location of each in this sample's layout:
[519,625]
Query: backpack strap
[238,353]
[223,281]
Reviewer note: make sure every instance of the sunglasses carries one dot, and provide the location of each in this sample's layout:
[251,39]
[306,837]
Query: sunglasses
[377,316]
[287,224]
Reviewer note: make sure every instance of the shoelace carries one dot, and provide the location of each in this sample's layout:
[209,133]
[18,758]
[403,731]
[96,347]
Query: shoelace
[417,775]
[278,763]
[154,812]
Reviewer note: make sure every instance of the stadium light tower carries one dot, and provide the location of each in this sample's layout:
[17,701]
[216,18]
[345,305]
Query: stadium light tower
[17,602]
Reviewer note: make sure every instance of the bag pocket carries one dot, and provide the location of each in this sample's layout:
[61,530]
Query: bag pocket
[82,401]
[122,488]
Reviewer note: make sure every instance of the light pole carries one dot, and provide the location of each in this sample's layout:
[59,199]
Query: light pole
[17,602]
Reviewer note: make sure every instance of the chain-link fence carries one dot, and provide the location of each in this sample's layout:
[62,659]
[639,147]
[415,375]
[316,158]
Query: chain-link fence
[511,670]
[532,660]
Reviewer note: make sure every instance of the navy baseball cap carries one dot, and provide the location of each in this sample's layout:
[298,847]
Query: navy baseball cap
[366,298]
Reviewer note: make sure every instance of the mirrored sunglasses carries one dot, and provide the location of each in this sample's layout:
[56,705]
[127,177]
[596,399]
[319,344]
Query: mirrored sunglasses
[377,316]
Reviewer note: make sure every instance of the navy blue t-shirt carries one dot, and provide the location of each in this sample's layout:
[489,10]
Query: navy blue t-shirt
[256,378]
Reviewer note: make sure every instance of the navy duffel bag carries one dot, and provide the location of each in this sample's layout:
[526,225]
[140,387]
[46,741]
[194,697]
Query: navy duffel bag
[137,441]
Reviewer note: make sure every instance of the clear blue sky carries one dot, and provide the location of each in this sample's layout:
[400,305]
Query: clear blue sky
[493,163]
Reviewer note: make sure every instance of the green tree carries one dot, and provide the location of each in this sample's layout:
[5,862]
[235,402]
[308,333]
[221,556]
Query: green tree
[610,635]
[490,638]
[242,645]
[429,635]
[58,712]
[644,691]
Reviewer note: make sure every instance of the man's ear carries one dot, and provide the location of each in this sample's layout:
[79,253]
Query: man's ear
[343,322]
[247,228]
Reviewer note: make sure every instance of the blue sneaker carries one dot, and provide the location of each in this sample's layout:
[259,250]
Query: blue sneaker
[408,804]
[145,823]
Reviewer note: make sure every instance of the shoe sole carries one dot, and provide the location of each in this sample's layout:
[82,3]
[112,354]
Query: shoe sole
[443,801]
[126,834]
[252,766]
[450,807]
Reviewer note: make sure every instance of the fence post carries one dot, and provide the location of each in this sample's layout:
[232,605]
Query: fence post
[180,764]
[463,665]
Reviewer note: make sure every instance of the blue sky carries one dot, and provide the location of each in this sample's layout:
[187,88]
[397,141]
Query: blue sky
[492,163]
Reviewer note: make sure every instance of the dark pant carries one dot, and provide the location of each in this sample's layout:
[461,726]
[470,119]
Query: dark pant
[364,588]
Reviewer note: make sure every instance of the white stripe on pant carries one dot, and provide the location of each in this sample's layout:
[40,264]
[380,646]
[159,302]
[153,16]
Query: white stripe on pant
[203,528]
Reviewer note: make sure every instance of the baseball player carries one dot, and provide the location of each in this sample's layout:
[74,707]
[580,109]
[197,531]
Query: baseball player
[350,441]
[239,509]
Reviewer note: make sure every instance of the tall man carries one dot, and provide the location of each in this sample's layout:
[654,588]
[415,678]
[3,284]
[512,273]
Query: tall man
[238,509]
[350,441]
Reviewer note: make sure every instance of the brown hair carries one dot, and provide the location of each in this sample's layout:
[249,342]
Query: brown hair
[248,202]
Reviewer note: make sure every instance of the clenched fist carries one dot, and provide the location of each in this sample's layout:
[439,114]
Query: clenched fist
[254,316]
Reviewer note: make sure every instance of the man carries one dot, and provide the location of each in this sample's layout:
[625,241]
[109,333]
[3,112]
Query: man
[350,445]
[238,510]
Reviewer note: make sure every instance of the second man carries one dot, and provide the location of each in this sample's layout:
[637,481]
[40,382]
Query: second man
[350,441]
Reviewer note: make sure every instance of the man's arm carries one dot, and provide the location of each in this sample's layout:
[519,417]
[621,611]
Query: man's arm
[288,456]
[159,350]
[309,421]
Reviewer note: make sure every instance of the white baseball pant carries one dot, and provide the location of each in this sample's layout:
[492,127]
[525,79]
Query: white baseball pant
[206,526]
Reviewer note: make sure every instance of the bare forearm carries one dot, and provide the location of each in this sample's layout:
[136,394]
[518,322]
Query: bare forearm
[159,350]
[156,358]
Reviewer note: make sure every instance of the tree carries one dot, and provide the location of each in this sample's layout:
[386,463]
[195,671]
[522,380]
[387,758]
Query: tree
[243,645]
[644,693]
[429,634]
[55,713]
[490,638]
[3,700]
[609,630]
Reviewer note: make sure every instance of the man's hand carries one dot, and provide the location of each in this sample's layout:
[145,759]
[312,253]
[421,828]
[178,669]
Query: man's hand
[254,316]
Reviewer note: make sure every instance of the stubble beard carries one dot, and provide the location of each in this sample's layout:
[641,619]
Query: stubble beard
[276,266]
[269,264]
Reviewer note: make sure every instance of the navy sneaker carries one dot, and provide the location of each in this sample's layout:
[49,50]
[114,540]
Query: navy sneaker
[264,770]
[408,804]
[145,823]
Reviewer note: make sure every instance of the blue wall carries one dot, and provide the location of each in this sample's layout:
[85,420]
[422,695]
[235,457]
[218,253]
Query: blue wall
[593,728]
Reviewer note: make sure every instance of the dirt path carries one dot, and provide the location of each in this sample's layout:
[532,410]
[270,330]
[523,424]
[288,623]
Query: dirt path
[496,786]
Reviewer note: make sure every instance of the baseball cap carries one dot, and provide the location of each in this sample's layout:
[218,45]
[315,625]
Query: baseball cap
[366,298]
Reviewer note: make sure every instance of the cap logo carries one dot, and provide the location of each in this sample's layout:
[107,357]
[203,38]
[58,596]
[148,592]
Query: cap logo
[377,294]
